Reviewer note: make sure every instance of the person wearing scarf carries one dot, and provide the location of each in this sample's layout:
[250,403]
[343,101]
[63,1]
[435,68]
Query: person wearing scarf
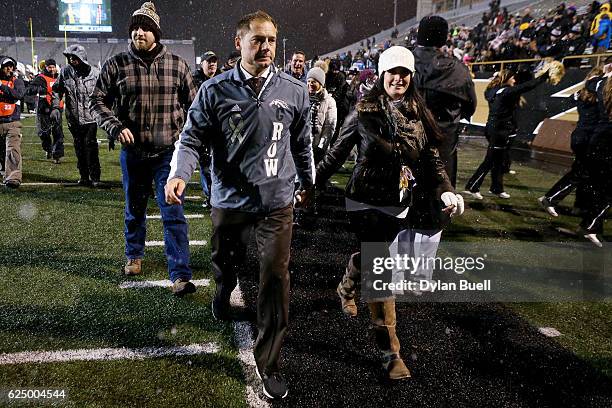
[398,176]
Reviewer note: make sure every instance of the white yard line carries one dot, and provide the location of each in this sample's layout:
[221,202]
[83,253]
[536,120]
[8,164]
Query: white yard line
[106,354]
[193,197]
[161,243]
[243,337]
[158,217]
[49,184]
[549,331]
[158,284]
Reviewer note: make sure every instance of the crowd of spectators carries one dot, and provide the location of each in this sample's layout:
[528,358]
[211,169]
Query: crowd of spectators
[500,35]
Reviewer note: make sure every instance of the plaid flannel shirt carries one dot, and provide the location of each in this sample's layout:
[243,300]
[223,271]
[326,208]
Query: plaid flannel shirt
[150,101]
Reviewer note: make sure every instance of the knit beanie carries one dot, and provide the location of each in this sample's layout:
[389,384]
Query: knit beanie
[147,18]
[433,31]
[317,74]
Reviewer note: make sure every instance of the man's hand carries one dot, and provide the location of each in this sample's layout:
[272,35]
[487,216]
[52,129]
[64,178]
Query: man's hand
[174,190]
[125,137]
[303,198]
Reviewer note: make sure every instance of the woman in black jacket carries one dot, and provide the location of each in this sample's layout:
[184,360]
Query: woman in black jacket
[599,157]
[588,117]
[397,164]
[503,97]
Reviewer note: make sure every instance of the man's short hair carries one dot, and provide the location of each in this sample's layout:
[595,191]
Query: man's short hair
[244,25]
[299,52]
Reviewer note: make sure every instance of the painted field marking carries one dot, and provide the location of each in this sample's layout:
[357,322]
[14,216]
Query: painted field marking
[106,354]
[158,284]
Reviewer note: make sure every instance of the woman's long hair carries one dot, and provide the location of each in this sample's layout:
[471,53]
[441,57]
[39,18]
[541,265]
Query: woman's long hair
[586,96]
[413,98]
[500,79]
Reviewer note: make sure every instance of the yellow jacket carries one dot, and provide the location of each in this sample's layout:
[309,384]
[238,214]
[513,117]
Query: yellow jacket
[604,9]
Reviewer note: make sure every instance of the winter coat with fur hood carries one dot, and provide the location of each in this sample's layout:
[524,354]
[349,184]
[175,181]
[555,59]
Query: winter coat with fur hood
[382,154]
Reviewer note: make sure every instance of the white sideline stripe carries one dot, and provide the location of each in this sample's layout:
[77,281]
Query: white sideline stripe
[549,331]
[49,184]
[161,243]
[106,354]
[158,284]
[158,217]
[193,197]
[243,337]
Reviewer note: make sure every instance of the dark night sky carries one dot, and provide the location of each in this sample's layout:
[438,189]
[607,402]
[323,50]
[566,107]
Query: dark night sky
[316,26]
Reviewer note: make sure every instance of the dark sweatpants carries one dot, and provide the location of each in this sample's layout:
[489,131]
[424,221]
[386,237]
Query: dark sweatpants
[231,230]
[51,125]
[86,149]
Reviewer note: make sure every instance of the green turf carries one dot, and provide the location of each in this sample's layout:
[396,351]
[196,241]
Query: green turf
[60,262]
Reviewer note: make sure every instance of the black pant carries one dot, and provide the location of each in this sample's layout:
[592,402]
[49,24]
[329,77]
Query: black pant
[575,178]
[51,124]
[494,162]
[273,230]
[376,227]
[86,149]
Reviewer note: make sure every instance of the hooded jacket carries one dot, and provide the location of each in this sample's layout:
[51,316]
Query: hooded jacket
[11,95]
[603,10]
[76,85]
[448,89]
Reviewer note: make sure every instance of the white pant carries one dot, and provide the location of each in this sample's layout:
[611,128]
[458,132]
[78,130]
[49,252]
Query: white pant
[416,244]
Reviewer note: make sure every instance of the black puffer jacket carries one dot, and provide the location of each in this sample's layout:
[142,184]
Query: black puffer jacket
[381,154]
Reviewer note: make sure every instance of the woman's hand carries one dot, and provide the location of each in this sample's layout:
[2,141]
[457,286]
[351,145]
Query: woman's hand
[453,202]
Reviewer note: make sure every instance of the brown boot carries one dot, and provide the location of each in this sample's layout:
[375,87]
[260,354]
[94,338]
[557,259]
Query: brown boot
[395,367]
[133,267]
[346,288]
[382,315]
[347,300]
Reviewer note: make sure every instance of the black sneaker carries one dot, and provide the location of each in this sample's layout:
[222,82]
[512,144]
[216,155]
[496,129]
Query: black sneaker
[84,182]
[274,385]
[182,287]
[221,304]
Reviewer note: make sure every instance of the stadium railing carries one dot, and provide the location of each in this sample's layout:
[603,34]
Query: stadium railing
[501,63]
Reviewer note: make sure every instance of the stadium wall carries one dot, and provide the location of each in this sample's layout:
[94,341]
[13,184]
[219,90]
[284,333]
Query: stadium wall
[98,49]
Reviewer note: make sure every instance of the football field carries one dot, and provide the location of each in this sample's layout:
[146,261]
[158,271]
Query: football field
[69,319]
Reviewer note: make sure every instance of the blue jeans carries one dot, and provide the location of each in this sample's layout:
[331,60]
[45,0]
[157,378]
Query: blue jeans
[138,173]
[205,180]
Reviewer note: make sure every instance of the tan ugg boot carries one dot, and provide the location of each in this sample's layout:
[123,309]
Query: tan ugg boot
[382,315]
[346,288]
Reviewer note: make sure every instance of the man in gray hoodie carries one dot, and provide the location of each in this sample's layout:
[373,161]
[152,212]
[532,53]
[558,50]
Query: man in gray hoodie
[76,82]
[256,121]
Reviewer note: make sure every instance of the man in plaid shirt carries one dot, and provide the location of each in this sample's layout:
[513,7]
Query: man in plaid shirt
[151,89]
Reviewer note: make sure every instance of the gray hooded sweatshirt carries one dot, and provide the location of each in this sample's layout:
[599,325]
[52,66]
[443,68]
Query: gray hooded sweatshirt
[76,85]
